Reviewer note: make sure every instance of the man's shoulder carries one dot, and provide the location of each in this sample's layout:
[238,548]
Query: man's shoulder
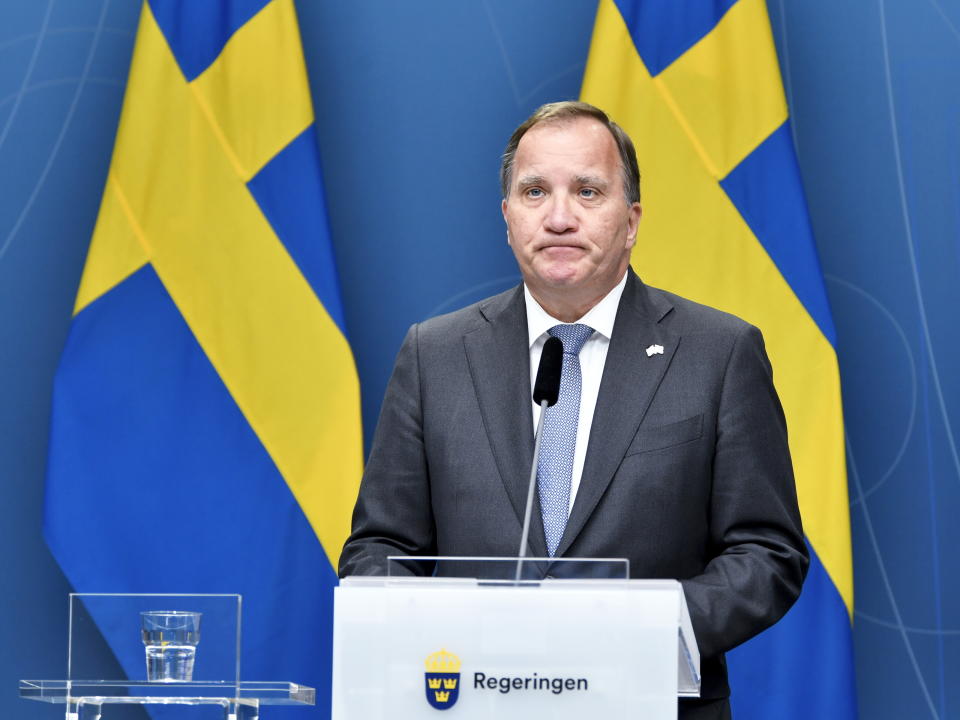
[690,317]
[472,317]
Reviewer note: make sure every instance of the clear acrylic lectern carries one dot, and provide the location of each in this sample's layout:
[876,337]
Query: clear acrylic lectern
[504,638]
[189,656]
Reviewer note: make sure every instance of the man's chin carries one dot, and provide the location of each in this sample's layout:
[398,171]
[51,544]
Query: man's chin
[561,275]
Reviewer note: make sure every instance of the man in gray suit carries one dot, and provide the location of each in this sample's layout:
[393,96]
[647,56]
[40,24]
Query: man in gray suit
[674,451]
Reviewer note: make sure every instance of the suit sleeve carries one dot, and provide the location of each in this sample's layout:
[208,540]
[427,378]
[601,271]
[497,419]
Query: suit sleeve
[759,557]
[393,515]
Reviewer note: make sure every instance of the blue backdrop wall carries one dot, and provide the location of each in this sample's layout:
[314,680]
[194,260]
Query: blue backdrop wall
[414,102]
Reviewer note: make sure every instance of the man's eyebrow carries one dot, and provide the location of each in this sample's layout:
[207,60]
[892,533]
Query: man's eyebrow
[530,180]
[593,180]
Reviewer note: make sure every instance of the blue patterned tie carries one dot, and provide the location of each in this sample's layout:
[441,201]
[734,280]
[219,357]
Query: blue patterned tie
[558,438]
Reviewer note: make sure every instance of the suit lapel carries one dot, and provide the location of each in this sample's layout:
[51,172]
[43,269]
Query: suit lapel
[499,358]
[630,380]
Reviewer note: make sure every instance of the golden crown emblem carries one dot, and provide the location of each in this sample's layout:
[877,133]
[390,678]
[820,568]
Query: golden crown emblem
[442,662]
[442,697]
[447,683]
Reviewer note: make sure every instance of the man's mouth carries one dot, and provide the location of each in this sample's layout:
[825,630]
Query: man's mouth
[562,249]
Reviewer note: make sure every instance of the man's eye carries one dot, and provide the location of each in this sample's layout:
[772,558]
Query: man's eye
[534,193]
[588,193]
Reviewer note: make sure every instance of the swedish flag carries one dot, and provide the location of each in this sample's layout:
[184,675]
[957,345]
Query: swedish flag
[206,432]
[697,86]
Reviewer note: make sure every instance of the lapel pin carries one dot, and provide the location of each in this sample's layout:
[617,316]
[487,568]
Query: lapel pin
[654,350]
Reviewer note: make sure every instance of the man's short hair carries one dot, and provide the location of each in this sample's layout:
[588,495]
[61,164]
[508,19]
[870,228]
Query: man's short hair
[571,110]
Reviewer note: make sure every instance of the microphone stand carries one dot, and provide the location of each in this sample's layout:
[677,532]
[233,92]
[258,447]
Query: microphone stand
[544,404]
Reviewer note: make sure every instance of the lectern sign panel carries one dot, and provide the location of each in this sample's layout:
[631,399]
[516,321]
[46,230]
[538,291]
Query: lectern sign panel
[563,651]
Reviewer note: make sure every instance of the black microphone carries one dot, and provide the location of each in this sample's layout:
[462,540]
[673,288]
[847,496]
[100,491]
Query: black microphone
[546,390]
[547,386]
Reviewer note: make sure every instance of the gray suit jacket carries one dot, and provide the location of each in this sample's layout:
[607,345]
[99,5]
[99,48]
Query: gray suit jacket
[687,472]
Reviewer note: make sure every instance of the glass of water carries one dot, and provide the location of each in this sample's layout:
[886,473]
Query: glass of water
[171,638]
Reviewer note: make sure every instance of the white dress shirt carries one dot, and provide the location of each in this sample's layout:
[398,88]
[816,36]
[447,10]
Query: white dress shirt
[593,356]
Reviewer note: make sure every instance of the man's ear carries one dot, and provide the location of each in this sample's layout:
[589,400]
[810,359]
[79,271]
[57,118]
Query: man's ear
[503,211]
[633,223]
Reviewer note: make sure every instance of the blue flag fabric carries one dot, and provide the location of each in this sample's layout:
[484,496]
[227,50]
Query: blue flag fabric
[206,433]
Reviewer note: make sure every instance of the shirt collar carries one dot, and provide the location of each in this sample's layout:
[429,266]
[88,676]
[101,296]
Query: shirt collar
[600,317]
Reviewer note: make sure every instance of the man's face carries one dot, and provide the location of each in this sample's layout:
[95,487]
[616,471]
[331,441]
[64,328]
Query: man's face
[568,221]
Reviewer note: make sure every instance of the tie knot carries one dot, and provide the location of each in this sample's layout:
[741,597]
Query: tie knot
[572,336]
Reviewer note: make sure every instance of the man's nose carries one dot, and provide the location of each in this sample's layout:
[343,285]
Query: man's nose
[561,216]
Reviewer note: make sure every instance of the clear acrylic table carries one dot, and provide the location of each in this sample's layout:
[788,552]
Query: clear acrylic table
[84,699]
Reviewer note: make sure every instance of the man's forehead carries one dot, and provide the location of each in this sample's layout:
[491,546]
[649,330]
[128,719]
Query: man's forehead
[573,136]
[576,151]
[588,125]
